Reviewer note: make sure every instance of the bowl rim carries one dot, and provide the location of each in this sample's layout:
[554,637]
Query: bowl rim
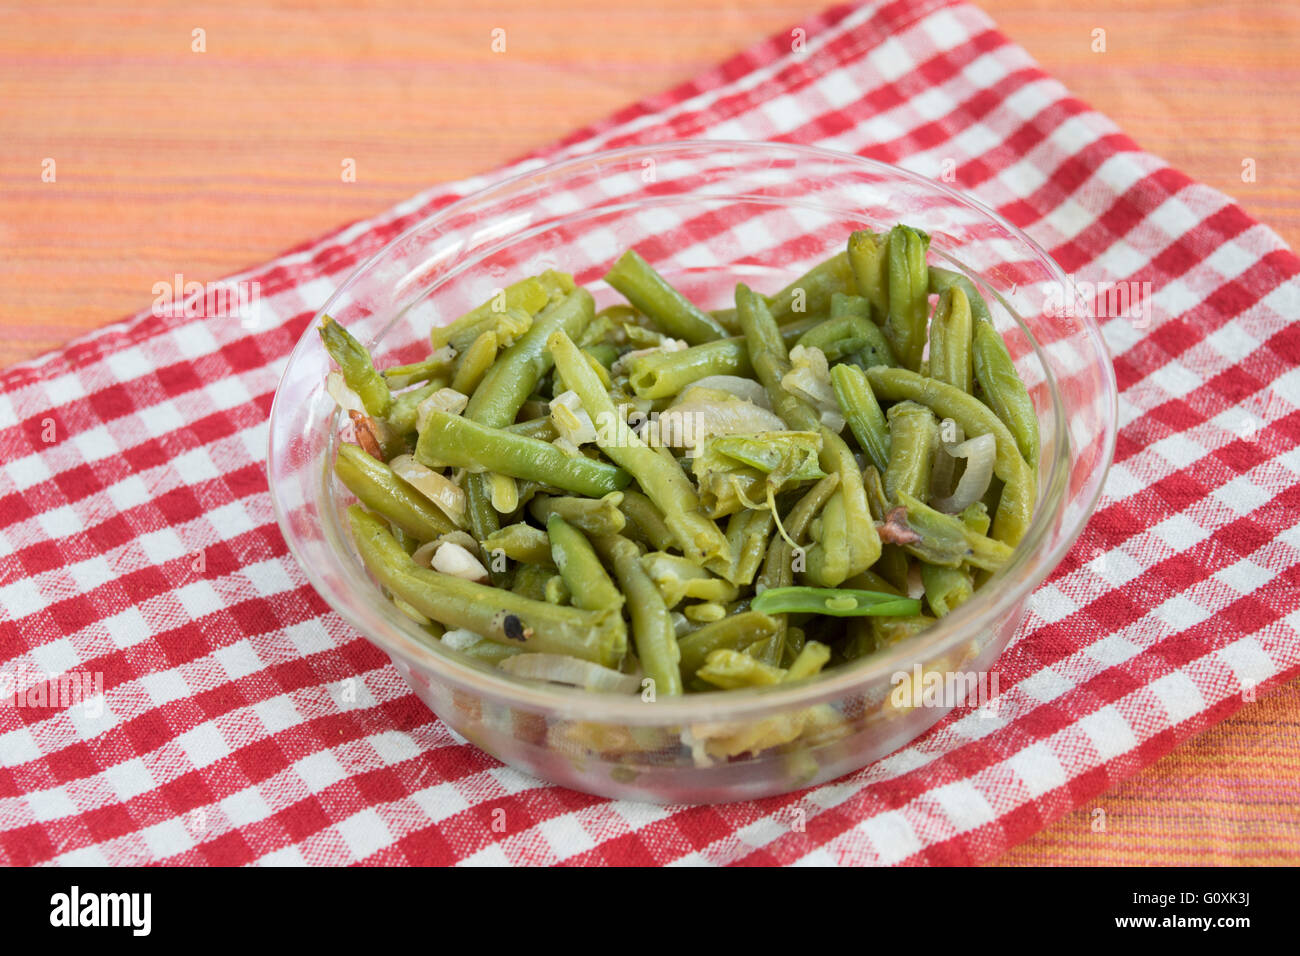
[409,644]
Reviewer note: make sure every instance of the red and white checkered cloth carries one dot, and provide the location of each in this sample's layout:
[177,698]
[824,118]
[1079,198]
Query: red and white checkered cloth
[226,735]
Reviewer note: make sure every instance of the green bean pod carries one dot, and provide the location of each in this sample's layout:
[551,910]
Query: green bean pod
[456,441]
[653,634]
[869,260]
[358,370]
[651,294]
[862,412]
[1004,391]
[946,588]
[663,374]
[576,559]
[913,435]
[909,304]
[593,516]
[810,294]
[498,615]
[735,632]
[948,541]
[951,340]
[376,486]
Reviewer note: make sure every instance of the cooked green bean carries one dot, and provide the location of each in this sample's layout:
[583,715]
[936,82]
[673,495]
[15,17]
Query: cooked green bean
[662,374]
[946,588]
[528,296]
[943,279]
[520,542]
[404,411]
[474,363]
[869,260]
[810,294]
[862,412]
[653,634]
[875,348]
[461,443]
[913,434]
[950,340]
[947,540]
[646,521]
[593,516]
[580,568]
[377,487]
[1004,392]
[909,291]
[517,371]
[835,602]
[358,370]
[747,534]
[651,294]
[731,670]
[975,418]
[495,614]
[735,633]
[812,657]
[665,483]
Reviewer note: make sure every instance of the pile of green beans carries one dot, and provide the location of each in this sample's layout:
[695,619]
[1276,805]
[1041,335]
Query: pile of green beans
[508,502]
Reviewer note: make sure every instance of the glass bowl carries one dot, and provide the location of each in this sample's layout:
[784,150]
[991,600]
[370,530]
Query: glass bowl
[707,214]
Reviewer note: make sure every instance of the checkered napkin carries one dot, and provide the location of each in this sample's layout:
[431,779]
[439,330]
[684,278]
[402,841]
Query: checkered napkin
[229,717]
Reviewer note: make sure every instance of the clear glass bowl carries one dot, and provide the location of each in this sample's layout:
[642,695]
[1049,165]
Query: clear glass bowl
[706,214]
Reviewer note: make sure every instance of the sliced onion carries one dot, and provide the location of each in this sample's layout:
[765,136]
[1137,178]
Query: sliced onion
[572,671]
[461,639]
[442,491]
[980,453]
[689,423]
[344,397]
[423,555]
[744,388]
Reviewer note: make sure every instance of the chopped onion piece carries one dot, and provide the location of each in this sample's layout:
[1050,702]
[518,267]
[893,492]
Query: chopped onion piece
[562,669]
[442,491]
[571,419]
[706,413]
[451,558]
[461,639]
[980,453]
[810,379]
[667,345]
[443,400]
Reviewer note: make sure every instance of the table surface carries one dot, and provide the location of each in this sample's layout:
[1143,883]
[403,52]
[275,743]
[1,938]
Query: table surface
[168,160]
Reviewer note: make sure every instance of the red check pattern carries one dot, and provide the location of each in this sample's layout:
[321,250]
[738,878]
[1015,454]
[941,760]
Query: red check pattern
[240,721]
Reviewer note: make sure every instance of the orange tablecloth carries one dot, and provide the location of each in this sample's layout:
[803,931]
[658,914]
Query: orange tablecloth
[167,158]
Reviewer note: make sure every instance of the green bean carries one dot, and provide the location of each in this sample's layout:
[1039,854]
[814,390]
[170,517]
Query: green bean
[730,670]
[869,259]
[376,486]
[661,374]
[495,614]
[875,348]
[518,370]
[862,412]
[520,542]
[531,579]
[474,363]
[604,354]
[735,633]
[784,456]
[437,366]
[890,631]
[913,435]
[893,566]
[834,602]
[651,294]
[647,523]
[909,305]
[1015,509]
[950,340]
[404,411]
[543,429]
[812,657]
[484,521]
[810,294]
[461,443]
[840,335]
[943,279]
[663,480]
[556,591]
[677,579]
[593,516]
[976,517]
[1004,392]
[653,634]
[871,581]
[747,533]
[946,540]
[946,588]
[580,568]
[358,370]
[529,296]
